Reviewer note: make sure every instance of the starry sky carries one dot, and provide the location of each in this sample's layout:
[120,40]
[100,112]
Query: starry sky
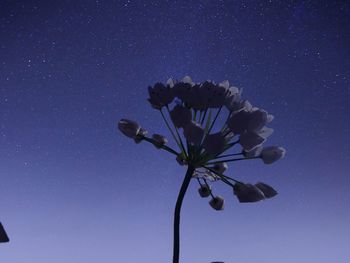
[74,189]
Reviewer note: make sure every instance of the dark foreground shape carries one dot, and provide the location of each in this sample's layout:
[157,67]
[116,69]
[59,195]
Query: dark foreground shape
[3,236]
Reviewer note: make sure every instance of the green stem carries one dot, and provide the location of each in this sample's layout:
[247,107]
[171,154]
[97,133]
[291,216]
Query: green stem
[216,116]
[171,131]
[164,147]
[224,177]
[234,160]
[183,189]
[178,135]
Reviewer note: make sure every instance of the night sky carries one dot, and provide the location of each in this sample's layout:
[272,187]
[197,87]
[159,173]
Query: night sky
[74,189]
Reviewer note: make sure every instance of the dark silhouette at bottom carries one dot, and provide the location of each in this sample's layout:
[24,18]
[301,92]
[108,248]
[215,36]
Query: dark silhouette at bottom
[3,236]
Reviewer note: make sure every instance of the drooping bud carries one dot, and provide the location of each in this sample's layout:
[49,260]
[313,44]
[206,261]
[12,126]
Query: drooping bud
[217,203]
[204,190]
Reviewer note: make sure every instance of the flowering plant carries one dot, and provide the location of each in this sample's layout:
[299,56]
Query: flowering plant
[201,149]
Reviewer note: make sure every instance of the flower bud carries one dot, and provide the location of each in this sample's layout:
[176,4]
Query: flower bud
[160,140]
[217,203]
[204,190]
[129,128]
[248,193]
[266,189]
[272,153]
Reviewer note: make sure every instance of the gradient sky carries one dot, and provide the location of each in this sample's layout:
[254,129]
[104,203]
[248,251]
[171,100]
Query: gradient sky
[74,189]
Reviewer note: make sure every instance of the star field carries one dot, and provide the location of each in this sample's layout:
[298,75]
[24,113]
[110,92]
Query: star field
[76,190]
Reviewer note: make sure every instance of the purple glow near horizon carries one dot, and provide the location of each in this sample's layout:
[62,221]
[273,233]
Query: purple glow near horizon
[74,189]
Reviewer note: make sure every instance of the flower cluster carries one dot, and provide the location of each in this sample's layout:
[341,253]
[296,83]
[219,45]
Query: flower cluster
[193,110]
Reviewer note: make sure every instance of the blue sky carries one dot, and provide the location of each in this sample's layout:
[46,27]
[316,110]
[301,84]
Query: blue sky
[74,189]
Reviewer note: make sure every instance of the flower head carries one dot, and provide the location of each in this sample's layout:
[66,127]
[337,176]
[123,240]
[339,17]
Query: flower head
[202,144]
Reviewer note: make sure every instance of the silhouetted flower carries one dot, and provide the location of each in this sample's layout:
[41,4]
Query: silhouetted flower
[272,154]
[217,203]
[220,168]
[239,121]
[180,116]
[140,135]
[250,140]
[248,193]
[129,128]
[160,140]
[204,190]
[193,132]
[160,95]
[202,145]
[266,189]
[214,143]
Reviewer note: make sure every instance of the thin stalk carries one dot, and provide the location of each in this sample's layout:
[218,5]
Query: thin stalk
[228,155]
[183,189]
[205,181]
[224,177]
[178,135]
[234,160]
[164,147]
[216,116]
[205,113]
[169,128]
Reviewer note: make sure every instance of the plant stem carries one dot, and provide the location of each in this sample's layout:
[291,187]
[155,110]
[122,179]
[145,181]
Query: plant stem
[234,160]
[183,189]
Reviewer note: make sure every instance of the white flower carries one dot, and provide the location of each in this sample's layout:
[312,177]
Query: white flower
[257,119]
[204,190]
[266,189]
[193,132]
[217,203]
[129,128]
[170,82]
[160,95]
[250,140]
[271,154]
[233,100]
[248,193]
[3,236]
[160,140]
[214,143]
[180,116]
